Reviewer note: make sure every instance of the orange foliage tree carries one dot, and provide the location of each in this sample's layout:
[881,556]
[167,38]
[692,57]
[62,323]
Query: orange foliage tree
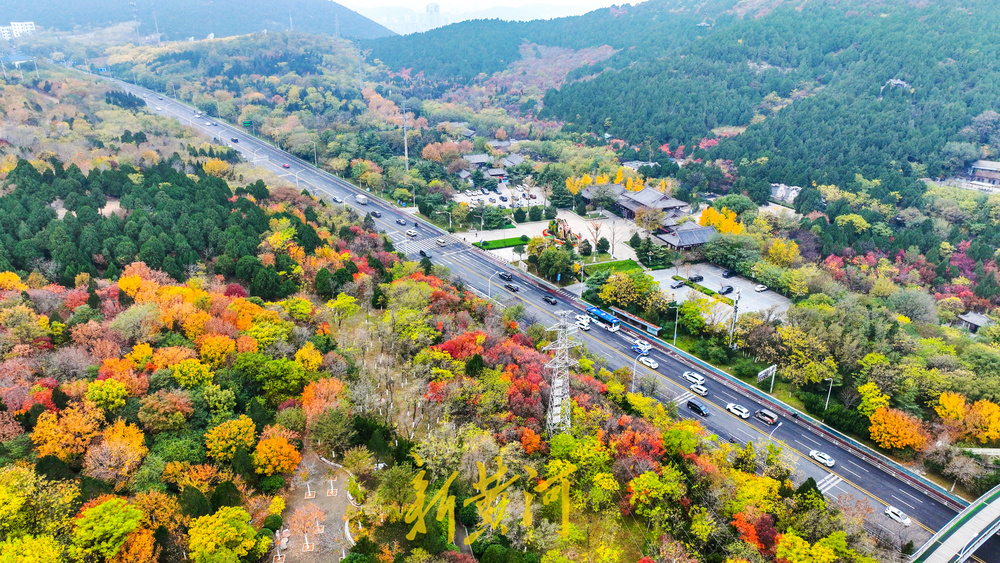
[894,429]
[117,455]
[321,395]
[275,455]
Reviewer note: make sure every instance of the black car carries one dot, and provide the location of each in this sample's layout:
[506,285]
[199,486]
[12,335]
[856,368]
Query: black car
[728,273]
[376,213]
[503,198]
[512,287]
[506,277]
[550,300]
[726,290]
[425,254]
[696,278]
[234,139]
[400,222]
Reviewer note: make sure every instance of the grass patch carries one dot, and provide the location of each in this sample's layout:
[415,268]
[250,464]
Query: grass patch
[500,243]
[616,267]
[704,290]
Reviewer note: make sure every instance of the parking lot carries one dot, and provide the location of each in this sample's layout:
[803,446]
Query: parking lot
[750,300]
[515,197]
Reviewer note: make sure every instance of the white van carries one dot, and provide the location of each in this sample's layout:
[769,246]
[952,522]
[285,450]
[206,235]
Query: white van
[440,242]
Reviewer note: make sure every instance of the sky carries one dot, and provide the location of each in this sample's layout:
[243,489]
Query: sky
[475,5]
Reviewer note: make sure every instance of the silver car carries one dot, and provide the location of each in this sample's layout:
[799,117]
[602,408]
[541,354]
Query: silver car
[822,457]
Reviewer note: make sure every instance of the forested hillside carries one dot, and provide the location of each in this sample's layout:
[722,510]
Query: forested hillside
[180,19]
[824,90]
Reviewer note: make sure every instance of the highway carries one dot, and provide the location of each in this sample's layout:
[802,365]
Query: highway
[858,471]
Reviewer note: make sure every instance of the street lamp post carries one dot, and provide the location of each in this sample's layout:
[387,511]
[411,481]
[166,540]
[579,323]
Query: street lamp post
[635,364]
[828,394]
[448,213]
[315,160]
[772,431]
[489,285]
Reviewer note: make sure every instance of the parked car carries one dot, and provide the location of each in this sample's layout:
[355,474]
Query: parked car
[898,515]
[493,200]
[649,362]
[549,299]
[400,222]
[699,389]
[506,277]
[822,457]
[696,278]
[503,198]
[738,410]
[533,196]
[677,284]
[760,288]
[512,287]
[728,273]
[726,290]
[693,377]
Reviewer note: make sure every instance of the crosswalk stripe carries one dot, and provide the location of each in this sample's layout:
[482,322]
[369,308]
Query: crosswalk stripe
[829,482]
[683,397]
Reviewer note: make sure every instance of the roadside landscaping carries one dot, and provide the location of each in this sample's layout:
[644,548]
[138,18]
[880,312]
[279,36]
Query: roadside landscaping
[616,267]
[502,243]
[704,290]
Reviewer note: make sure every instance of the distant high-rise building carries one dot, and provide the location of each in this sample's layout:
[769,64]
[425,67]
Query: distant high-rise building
[22,28]
[6,32]
[433,16]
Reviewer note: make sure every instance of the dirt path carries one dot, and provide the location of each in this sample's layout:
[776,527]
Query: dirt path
[332,543]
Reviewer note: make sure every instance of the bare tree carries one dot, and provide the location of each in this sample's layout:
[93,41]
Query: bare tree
[594,228]
[963,469]
[649,219]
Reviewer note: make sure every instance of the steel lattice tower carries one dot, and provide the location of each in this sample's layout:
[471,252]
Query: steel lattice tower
[558,417]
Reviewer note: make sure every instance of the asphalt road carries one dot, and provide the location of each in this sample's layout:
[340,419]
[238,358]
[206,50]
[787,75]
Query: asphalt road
[858,472]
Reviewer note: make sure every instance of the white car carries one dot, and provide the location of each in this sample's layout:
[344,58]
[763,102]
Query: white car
[693,377]
[760,288]
[821,458]
[583,326]
[582,319]
[898,515]
[699,389]
[648,362]
[337,200]
[738,410]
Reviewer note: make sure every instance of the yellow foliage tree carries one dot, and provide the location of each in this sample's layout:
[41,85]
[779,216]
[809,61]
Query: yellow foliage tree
[783,252]
[216,167]
[309,357]
[192,373]
[215,349]
[67,434]
[223,439]
[951,408]
[724,221]
[983,421]
[872,399]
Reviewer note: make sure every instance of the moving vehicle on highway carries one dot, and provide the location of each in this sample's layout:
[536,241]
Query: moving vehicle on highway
[506,277]
[694,377]
[698,407]
[337,200]
[234,139]
[401,222]
[583,326]
[637,349]
[766,416]
[549,299]
[512,287]
[610,323]
[649,362]
[411,233]
[699,389]
[425,254]
[363,200]
[738,410]
[898,515]
[286,165]
[821,457]
[376,213]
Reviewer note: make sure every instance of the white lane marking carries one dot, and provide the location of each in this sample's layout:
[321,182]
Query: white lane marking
[806,437]
[851,472]
[906,503]
[911,496]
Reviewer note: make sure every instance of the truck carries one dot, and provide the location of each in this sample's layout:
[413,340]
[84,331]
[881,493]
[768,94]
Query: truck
[362,199]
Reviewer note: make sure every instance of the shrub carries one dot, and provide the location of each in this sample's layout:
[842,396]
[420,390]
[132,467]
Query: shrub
[272,484]
[273,522]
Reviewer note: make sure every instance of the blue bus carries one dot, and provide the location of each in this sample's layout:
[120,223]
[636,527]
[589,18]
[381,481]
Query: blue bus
[609,322]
